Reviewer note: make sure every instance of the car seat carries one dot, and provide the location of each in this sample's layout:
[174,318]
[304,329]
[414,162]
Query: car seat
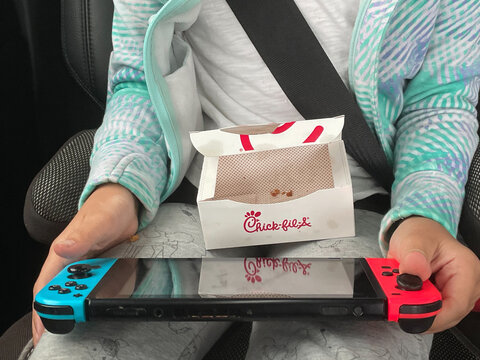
[52,198]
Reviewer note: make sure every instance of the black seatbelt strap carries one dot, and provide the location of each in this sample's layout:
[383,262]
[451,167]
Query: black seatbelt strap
[298,62]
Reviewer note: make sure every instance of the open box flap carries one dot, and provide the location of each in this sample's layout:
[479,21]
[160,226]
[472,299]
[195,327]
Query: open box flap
[238,139]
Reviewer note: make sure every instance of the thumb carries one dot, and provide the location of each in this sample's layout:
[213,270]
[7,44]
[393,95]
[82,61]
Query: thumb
[71,247]
[84,235]
[107,217]
[413,248]
[415,261]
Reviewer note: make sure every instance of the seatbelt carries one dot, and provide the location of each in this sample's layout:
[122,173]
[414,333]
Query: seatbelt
[298,62]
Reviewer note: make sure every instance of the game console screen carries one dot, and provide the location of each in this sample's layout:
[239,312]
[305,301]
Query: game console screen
[235,278]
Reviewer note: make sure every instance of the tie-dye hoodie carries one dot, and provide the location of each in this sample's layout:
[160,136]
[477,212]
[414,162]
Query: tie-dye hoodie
[414,67]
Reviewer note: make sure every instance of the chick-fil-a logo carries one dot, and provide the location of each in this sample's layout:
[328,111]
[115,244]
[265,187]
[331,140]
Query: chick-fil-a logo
[253,224]
[253,266]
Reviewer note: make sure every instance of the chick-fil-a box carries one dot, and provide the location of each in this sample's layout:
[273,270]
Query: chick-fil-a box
[274,183]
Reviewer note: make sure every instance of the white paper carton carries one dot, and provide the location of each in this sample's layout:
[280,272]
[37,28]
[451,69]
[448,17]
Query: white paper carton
[274,183]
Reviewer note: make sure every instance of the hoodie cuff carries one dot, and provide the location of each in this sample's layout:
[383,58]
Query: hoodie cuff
[431,194]
[129,171]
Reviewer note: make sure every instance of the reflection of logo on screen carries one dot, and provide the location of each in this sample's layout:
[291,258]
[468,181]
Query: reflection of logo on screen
[253,224]
[253,266]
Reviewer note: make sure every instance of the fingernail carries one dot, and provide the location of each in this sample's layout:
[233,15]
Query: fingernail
[67,242]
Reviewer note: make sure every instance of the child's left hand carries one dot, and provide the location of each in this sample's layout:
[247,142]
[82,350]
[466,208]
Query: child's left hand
[424,247]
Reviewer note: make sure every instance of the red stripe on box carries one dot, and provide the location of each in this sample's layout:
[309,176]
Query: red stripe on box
[284,127]
[245,140]
[314,135]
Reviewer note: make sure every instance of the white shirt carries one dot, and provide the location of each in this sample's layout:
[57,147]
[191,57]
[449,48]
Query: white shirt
[237,88]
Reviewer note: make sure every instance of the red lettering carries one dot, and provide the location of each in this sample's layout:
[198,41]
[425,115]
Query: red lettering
[253,266]
[252,224]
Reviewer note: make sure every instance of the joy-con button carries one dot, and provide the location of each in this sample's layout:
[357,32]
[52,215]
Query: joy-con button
[81,287]
[71,283]
[53,309]
[64,291]
[387,273]
[77,295]
[80,271]
[395,271]
[357,311]
[409,282]
[54,287]
[79,268]
[422,308]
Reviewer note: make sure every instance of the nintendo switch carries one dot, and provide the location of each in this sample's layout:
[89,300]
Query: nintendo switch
[236,289]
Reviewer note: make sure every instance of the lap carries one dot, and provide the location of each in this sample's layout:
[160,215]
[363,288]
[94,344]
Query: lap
[176,232]
[131,340]
[332,339]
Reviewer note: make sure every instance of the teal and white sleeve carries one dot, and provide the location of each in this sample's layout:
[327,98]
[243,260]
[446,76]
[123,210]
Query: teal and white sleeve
[129,147]
[437,130]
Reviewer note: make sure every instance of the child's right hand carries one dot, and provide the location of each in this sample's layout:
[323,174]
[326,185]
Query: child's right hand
[424,247]
[108,217]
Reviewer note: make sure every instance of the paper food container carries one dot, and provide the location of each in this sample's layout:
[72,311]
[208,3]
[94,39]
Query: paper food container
[274,183]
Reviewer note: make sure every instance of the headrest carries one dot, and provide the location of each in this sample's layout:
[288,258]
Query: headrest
[87,43]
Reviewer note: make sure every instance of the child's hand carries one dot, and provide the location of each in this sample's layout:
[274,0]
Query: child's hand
[424,247]
[108,217]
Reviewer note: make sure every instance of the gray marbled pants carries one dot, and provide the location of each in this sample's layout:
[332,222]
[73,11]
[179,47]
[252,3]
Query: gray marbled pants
[176,232]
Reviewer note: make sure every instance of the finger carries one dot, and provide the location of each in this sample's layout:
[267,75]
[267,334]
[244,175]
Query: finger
[108,217]
[458,283]
[51,267]
[414,258]
[455,291]
[412,248]
[83,236]
[37,328]
[90,233]
[415,262]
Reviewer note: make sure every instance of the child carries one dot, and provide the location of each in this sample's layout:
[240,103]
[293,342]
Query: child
[414,67]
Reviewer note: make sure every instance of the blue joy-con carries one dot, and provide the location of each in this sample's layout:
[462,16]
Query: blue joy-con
[63,298]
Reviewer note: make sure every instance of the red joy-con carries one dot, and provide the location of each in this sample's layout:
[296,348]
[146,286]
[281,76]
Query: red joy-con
[477,306]
[402,304]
